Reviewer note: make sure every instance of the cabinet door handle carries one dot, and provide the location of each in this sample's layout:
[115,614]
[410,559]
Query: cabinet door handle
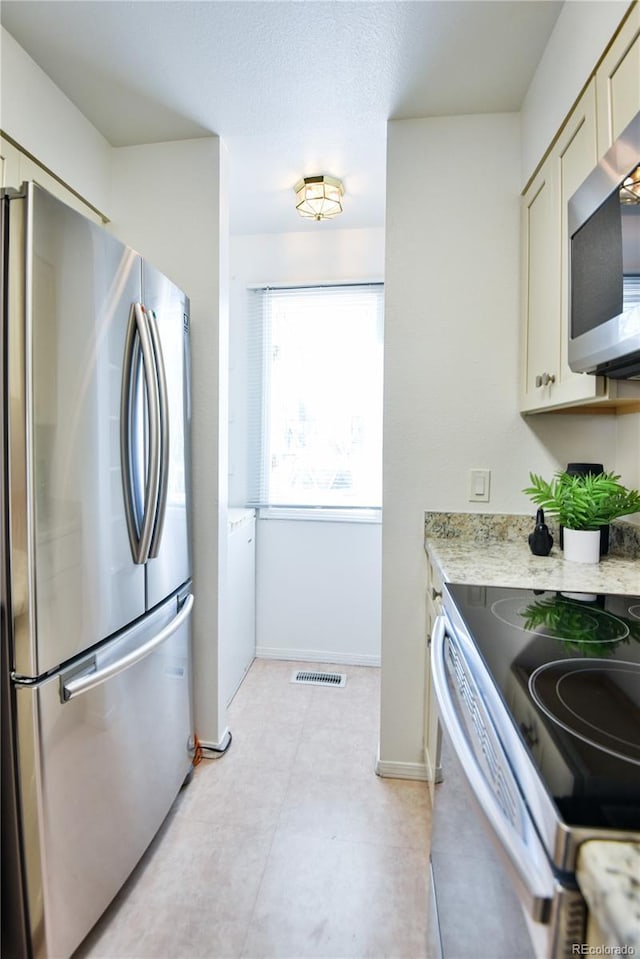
[435,593]
[545,379]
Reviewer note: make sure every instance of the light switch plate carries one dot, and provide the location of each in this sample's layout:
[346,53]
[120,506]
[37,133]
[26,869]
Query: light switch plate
[479,485]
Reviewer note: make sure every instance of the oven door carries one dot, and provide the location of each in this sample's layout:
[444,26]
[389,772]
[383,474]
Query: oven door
[490,885]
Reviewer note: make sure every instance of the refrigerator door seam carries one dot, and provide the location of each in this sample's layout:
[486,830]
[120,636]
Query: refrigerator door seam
[126,408]
[163,408]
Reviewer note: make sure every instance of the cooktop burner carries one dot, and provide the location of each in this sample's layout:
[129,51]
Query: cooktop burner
[570,694]
[563,618]
[567,668]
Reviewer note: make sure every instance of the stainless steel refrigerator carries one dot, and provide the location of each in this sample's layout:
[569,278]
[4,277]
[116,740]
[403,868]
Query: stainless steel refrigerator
[97,728]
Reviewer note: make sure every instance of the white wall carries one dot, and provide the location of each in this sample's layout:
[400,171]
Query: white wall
[318,591]
[38,116]
[318,583]
[451,369]
[168,203]
[332,256]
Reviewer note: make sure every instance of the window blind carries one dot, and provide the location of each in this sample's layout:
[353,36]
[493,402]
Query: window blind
[315,371]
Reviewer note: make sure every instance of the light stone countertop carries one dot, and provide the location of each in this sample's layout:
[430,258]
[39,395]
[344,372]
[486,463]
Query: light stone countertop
[492,550]
[608,874]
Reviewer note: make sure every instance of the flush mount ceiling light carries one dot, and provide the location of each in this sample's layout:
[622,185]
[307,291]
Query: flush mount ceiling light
[319,197]
[630,189]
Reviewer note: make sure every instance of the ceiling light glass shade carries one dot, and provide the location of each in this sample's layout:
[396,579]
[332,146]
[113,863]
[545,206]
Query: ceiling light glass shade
[319,197]
[630,189]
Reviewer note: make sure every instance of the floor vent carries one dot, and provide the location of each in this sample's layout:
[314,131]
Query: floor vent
[318,679]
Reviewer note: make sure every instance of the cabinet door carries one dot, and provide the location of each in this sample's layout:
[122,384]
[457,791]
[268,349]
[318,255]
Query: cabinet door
[548,382]
[618,82]
[540,290]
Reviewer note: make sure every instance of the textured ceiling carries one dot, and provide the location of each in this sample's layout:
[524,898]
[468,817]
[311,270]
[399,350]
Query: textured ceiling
[294,88]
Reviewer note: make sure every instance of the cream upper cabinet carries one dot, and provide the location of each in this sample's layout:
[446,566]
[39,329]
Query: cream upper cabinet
[10,160]
[540,290]
[547,381]
[618,82]
[18,167]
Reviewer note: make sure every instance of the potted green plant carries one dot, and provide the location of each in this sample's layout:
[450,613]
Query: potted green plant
[582,504]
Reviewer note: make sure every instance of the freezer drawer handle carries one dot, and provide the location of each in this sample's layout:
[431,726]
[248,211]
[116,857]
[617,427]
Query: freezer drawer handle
[76,687]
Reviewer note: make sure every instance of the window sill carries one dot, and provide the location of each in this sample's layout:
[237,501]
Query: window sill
[321,514]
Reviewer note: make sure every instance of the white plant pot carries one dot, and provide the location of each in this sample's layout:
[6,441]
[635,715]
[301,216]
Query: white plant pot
[581,545]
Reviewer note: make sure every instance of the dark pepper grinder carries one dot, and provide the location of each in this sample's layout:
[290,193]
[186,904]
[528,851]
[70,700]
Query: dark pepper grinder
[541,540]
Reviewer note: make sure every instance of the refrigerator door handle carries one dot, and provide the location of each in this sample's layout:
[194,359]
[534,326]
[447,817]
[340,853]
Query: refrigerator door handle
[129,363]
[73,687]
[163,407]
[139,337]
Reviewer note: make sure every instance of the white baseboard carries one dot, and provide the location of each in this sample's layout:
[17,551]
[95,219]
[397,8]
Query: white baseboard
[388,770]
[317,656]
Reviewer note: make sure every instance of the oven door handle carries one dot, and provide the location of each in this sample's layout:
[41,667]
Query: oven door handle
[526,860]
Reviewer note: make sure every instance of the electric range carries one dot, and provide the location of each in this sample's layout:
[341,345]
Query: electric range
[567,667]
[539,702]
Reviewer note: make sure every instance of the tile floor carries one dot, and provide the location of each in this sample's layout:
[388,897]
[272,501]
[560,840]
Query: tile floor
[287,846]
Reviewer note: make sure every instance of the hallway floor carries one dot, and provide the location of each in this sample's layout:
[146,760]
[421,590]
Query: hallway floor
[287,846]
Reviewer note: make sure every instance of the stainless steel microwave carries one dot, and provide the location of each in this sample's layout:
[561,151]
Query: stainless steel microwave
[604,263]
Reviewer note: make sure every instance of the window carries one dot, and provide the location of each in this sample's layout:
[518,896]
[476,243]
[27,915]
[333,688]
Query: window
[316,410]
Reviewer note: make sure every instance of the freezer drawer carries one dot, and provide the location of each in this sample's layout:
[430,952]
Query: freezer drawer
[100,771]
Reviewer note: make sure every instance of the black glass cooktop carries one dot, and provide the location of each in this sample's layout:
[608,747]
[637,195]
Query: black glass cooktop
[568,668]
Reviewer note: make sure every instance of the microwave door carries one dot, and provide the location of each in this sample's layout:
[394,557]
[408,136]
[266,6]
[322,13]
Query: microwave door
[604,264]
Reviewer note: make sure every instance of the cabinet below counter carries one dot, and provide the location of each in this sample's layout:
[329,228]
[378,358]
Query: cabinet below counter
[492,550]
